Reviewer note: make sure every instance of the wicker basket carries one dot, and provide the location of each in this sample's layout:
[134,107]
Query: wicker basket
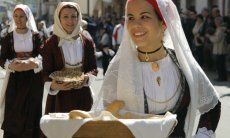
[71,75]
[103,129]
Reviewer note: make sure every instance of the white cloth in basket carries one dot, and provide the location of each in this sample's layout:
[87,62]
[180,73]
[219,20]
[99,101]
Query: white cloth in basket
[61,127]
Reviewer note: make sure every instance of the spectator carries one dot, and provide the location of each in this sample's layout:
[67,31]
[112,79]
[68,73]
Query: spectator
[117,34]
[105,47]
[219,49]
[198,39]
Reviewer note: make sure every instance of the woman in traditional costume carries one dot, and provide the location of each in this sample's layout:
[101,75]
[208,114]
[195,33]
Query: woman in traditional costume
[22,90]
[68,48]
[154,70]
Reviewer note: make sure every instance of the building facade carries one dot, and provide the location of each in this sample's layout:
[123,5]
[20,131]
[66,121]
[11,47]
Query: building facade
[223,5]
[45,8]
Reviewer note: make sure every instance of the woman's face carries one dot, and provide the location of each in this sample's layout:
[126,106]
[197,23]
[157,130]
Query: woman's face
[143,24]
[69,19]
[20,18]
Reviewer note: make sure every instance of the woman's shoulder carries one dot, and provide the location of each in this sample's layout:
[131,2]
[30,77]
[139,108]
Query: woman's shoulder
[8,36]
[53,40]
[87,41]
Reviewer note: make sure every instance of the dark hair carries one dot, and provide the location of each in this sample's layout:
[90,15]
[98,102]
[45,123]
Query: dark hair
[70,7]
[158,16]
[205,9]
[200,16]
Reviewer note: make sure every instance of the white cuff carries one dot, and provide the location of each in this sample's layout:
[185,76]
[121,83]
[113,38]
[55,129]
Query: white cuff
[47,87]
[38,61]
[205,133]
[91,79]
[6,66]
[111,52]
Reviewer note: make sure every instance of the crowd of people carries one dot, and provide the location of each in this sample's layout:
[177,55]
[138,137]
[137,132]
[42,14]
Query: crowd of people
[208,37]
[137,59]
[207,34]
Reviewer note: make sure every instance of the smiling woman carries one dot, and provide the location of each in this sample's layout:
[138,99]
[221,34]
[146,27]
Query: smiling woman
[143,24]
[68,49]
[23,84]
[146,30]
[68,18]
[20,19]
[154,70]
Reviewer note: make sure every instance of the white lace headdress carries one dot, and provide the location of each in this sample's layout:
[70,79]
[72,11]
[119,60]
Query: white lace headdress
[123,80]
[31,24]
[59,30]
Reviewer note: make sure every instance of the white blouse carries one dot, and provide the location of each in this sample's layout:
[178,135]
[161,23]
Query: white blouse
[73,55]
[72,51]
[163,97]
[24,43]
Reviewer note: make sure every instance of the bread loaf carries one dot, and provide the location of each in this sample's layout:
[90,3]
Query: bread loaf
[79,114]
[114,108]
[117,105]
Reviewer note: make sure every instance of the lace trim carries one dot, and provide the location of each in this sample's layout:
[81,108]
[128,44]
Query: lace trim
[207,100]
[204,132]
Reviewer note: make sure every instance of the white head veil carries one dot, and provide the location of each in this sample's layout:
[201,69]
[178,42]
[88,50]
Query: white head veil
[44,27]
[59,30]
[123,80]
[30,18]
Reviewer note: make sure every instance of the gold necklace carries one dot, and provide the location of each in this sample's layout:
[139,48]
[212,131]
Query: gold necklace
[166,101]
[162,102]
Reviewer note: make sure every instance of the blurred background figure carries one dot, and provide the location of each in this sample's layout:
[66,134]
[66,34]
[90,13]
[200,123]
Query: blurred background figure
[118,34]
[106,48]
[219,48]
[198,39]
[41,25]
[189,20]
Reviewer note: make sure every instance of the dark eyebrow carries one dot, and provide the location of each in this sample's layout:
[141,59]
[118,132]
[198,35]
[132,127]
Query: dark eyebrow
[129,15]
[145,13]
[140,13]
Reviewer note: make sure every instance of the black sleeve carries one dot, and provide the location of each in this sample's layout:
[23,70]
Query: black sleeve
[211,118]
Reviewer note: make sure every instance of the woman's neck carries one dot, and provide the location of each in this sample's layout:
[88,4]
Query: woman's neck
[21,31]
[152,57]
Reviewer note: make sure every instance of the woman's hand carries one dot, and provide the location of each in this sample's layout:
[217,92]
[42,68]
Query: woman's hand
[30,65]
[86,78]
[63,86]
[20,65]
[17,65]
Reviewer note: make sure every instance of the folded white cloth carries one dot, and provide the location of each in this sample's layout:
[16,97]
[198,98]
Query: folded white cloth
[60,126]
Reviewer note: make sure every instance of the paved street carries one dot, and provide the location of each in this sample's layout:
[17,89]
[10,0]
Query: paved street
[223,88]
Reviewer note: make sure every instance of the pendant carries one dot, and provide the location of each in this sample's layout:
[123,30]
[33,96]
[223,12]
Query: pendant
[158,80]
[155,67]
[146,57]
